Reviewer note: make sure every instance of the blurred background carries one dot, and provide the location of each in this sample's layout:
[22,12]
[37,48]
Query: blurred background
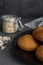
[23,8]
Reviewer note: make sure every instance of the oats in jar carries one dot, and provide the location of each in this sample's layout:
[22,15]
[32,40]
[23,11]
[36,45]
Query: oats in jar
[10,25]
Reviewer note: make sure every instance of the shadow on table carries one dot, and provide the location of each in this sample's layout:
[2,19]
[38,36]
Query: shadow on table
[17,57]
[9,55]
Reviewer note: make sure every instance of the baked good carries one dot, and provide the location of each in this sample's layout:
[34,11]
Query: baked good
[27,43]
[39,53]
[38,33]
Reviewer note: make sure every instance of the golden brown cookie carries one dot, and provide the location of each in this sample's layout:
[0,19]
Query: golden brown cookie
[39,53]
[38,33]
[27,42]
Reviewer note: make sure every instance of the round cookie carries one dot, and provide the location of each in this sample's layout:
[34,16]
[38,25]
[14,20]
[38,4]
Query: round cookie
[39,53]
[27,43]
[38,33]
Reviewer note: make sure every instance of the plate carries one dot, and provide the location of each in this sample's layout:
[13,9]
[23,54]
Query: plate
[28,56]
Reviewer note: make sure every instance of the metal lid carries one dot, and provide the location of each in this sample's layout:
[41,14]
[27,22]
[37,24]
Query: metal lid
[9,18]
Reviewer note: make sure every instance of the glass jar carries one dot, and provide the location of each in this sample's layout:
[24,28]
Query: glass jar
[9,24]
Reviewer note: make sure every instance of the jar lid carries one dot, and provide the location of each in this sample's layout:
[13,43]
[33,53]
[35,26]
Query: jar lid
[10,18]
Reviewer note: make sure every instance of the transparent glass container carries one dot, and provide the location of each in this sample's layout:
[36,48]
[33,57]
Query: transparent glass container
[9,24]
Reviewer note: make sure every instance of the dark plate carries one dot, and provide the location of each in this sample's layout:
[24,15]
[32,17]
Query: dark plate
[28,56]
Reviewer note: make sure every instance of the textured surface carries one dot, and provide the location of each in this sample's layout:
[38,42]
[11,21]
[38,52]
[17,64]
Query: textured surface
[7,59]
[25,8]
